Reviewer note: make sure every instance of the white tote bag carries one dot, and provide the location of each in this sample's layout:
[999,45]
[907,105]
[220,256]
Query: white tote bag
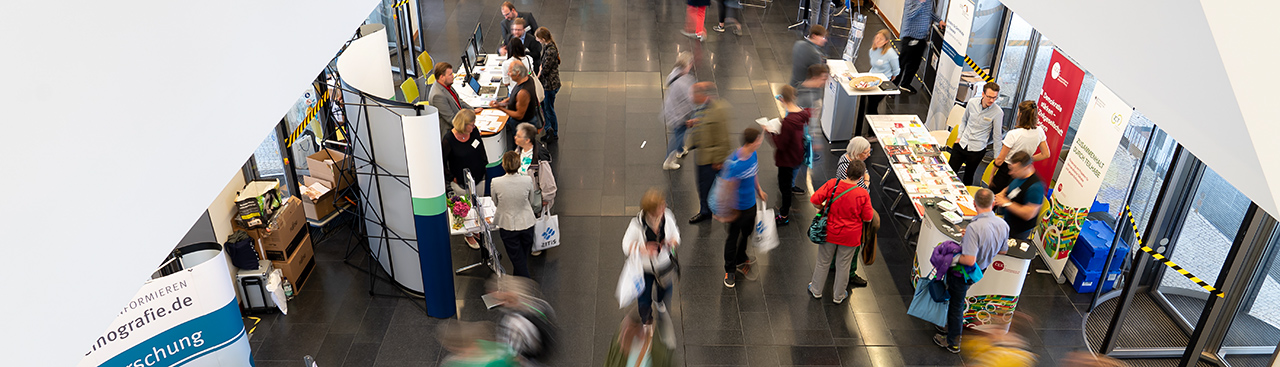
[547,230]
[766,229]
[630,282]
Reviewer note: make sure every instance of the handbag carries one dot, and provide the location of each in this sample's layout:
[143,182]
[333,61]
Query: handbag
[547,230]
[924,307]
[630,282]
[546,182]
[869,239]
[766,231]
[938,290]
[818,229]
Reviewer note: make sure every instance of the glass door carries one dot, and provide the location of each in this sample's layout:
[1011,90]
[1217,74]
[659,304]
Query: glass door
[1254,332]
[1212,216]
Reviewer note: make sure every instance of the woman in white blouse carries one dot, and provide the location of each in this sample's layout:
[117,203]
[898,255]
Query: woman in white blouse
[1027,137]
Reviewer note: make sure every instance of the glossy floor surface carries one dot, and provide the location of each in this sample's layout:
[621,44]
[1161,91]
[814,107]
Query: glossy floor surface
[615,55]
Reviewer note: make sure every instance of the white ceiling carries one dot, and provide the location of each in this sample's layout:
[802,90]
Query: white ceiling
[123,121]
[1162,58]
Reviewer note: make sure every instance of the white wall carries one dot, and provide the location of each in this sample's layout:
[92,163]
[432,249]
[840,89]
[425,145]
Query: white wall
[891,11]
[125,120]
[223,208]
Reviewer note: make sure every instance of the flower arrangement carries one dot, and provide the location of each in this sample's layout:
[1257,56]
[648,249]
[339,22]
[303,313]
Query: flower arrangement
[459,207]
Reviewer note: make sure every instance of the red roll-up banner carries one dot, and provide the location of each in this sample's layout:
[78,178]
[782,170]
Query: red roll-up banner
[1056,105]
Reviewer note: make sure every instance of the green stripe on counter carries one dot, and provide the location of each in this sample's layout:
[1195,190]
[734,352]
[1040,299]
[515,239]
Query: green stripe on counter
[430,206]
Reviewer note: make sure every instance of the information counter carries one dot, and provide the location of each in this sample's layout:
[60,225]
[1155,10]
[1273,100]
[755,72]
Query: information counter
[843,105]
[492,123]
[992,300]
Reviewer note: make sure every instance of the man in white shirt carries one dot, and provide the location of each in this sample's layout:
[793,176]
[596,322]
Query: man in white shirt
[980,127]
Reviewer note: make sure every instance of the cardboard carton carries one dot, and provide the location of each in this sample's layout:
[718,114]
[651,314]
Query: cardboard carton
[257,202]
[273,241]
[322,206]
[331,166]
[299,266]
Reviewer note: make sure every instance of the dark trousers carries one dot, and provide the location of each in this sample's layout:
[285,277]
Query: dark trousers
[910,60]
[646,297]
[955,309]
[1024,235]
[706,176]
[725,11]
[740,230]
[1000,179]
[970,161]
[552,126]
[519,244]
[786,176]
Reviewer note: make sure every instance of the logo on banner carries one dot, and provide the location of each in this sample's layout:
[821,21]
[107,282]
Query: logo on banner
[998,265]
[546,235]
[1116,120]
[1055,73]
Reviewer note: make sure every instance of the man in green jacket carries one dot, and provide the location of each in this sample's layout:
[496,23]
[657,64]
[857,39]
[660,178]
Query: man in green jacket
[710,124]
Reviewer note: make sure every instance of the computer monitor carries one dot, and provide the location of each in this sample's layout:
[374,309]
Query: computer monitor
[471,51]
[479,38]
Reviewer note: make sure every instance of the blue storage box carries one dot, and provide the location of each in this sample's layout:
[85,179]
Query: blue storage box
[1086,281]
[1093,245]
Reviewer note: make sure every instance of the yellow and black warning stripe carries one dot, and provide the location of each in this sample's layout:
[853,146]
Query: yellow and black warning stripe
[976,69]
[312,114]
[1138,239]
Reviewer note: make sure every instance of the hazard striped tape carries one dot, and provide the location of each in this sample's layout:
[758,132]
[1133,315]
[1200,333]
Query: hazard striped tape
[1165,260]
[312,113]
[976,69]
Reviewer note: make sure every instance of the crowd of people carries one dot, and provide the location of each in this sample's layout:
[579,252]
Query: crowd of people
[727,184]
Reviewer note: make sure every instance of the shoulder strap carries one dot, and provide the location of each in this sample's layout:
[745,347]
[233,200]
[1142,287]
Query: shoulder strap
[827,208]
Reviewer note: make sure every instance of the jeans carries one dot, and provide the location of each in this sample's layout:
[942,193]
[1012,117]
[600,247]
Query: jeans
[551,123]
[786,177]
[955,309]
[706,176]
[795,177]
[970,159]
[677,139]
[740,230]
[844,258]
[519,245]
[646,297]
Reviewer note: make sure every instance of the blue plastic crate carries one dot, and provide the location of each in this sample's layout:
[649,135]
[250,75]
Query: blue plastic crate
[1086,281]
[1092,246]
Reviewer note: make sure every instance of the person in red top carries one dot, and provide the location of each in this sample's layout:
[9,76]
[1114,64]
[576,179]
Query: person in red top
[788,154]
[850,207]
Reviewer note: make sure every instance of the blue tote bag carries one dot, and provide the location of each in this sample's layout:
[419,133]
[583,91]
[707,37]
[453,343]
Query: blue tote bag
[924,307]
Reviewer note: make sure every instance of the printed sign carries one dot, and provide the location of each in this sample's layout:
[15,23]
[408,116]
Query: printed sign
[1056,105]
[955,41]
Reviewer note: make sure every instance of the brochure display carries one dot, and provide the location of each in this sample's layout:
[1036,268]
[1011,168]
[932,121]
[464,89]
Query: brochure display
[1104,122]
[955,42]
[1056,105]
[188,318]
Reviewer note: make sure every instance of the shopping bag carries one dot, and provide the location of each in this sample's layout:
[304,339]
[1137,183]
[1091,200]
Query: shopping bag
[924,307]
[547,229]
[630,282]
[938,291]
[766,229]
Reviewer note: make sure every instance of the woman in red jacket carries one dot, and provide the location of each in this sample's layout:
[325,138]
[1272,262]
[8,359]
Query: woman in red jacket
[850,206]
[789,150]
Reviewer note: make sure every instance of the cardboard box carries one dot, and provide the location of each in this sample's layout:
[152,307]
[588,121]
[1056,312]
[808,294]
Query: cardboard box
[322,206]
[257,202]
[274,241]
[333,167]
[299,266]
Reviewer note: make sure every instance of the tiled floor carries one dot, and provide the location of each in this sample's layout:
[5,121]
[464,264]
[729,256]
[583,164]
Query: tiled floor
[615,54]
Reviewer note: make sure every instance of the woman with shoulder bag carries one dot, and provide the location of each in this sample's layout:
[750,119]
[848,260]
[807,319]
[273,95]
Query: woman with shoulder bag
[653,236]
[535,163]
[859,149]
[844,206]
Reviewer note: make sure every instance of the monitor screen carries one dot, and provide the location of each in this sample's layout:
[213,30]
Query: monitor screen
[464,69]
[471,52]
[479,38]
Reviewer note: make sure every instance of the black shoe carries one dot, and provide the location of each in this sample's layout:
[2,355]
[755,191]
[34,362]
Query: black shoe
[781,220]
[941,341]
[940,330]
[797,190]
[907,89]
[857,281]
[699,218]
[730,280]
[718,28]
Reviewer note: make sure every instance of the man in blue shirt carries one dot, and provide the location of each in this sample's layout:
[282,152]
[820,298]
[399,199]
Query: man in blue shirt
[984,237]
[1021,201]
[979,129]
[917,16]
[740,173]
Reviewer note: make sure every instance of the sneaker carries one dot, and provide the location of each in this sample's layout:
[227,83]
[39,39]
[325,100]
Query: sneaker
[839,300]
[661,307]
[746,271]
[737,30]
[471,242]
[815,295]
[940,330]
[701,36]
[718,28]
[906,89]
[729,280]
[698,218]
[857,281]
[670,165]
[941,341]
[797,190]
[840,11]
[781,220]
[536,253]
[683,152]
[689,34]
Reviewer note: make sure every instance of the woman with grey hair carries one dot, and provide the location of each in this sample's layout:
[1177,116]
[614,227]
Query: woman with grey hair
[678,107]
[859,149]
[535,158]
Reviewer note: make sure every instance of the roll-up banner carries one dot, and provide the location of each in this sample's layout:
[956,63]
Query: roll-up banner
[188,318]
[1094,147]
[431,226]
[1056,105]
[955,42]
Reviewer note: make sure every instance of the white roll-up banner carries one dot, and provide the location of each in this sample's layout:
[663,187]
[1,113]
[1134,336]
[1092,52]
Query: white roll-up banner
[950,63]
[188,318]
[1092,150]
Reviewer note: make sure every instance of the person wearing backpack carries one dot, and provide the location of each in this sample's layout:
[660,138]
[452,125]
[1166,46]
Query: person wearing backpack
[526,321]
[845,206]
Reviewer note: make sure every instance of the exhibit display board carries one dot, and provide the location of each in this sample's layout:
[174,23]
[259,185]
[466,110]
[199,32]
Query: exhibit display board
[955,42]
[1056,105]
[188,318]
[426,188]
[1093,148]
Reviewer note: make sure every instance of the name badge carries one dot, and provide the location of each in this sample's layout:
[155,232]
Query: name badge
[475,144]
[1014,193]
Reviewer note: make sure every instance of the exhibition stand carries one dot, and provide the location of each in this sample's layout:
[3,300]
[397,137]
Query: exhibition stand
[484,84]
[844,105]
[920,169]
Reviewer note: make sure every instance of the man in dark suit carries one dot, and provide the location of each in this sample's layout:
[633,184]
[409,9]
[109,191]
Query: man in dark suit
[509,15]
[532,47]
[444,98]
